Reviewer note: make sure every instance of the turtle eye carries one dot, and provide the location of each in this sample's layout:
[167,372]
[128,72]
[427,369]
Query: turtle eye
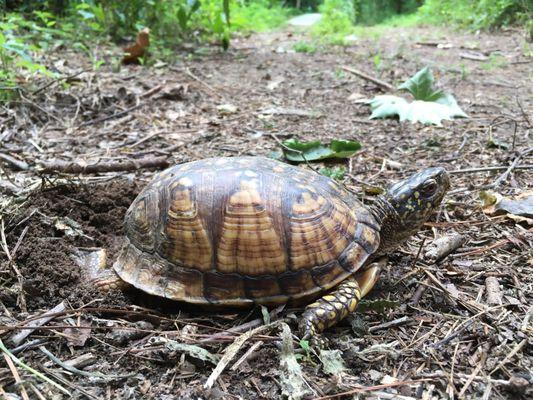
[428,188]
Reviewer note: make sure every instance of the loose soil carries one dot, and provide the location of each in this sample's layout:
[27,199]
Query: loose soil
[452,342]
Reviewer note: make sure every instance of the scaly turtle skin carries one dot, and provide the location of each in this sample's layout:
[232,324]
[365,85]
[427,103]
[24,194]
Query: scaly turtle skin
[250,230]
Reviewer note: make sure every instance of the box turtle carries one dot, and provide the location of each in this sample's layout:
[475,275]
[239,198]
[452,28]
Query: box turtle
[249,230]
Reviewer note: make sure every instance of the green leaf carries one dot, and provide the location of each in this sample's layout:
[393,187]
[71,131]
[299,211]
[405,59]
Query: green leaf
[426,112]
[182,18]
[333,173]
[225,5]
[420,86]
[295,150]
[386,106]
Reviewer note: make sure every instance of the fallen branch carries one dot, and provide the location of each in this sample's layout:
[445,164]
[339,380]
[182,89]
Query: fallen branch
[18,165]
[232,350]
[74,167]
[113,116]
[384,85]
[389,324]
[487,169]
[444,246]
[494,292]
[19,337]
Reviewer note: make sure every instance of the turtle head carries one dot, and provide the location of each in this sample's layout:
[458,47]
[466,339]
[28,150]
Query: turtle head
[409,203]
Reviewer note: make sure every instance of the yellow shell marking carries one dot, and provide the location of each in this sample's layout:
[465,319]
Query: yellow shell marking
[187,241]
[249,244]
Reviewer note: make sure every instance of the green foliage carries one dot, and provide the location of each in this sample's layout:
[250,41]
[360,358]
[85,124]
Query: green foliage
[294,150]
[304,47]
[420,85]
[477,14]
[20,39]
[371,12]
[338,17]
[258,16]
[336,173]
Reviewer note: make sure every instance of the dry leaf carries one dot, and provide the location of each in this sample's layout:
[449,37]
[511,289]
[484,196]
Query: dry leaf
[137,50]
[519,208]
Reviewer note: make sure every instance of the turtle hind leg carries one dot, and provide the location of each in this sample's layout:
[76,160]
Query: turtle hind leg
[335,306]
[93,265]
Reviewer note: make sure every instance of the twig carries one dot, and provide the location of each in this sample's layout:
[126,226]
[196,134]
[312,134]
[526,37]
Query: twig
[16,375]
[513,352]
[503,177]
[113,116]
[389,324]
[380,83]
[252,348]
[19,337]
[486,169]
[111,166]
[21,301]
[232,350]
[299,152]
[445,245]
[363,389]
[208,86]
[18,164]
[64,78]
[473,57]
[74,370]
[31,370]
[524,114]
[494,293]
[244,327]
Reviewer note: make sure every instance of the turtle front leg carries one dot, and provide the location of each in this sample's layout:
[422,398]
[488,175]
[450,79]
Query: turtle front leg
[335,306]
[93,265]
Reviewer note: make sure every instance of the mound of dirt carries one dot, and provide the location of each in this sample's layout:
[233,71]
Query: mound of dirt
[65,218]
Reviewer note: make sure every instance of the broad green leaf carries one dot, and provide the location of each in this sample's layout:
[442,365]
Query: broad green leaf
[421,87]
[386,106]
[182,18]
[426,112]
[295,150]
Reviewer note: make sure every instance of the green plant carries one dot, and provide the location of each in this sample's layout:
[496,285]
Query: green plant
[337,21]
[304,47]
[16,51]
[476,14]
[431,105]
[494,62]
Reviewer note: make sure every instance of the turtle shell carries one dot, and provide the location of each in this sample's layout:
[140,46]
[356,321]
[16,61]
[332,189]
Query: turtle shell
[243,230]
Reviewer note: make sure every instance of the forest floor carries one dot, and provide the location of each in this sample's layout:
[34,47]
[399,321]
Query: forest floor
[460,328]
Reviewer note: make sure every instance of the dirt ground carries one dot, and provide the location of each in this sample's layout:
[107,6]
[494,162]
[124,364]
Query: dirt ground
[460,328]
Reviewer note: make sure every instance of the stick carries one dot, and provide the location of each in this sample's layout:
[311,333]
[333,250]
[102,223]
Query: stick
[252,348]
[232,350]
[444,246]
[19,165]
[19,337]
[384,85]
[513,352]
[16,375]
[116,115]
[473,57]
[111,166]
[486,169]
[65,78]
[389,324]
[494,293]
[503,177]
[31,370]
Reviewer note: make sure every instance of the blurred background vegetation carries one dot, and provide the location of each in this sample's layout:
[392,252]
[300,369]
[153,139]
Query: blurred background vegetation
[31,27]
